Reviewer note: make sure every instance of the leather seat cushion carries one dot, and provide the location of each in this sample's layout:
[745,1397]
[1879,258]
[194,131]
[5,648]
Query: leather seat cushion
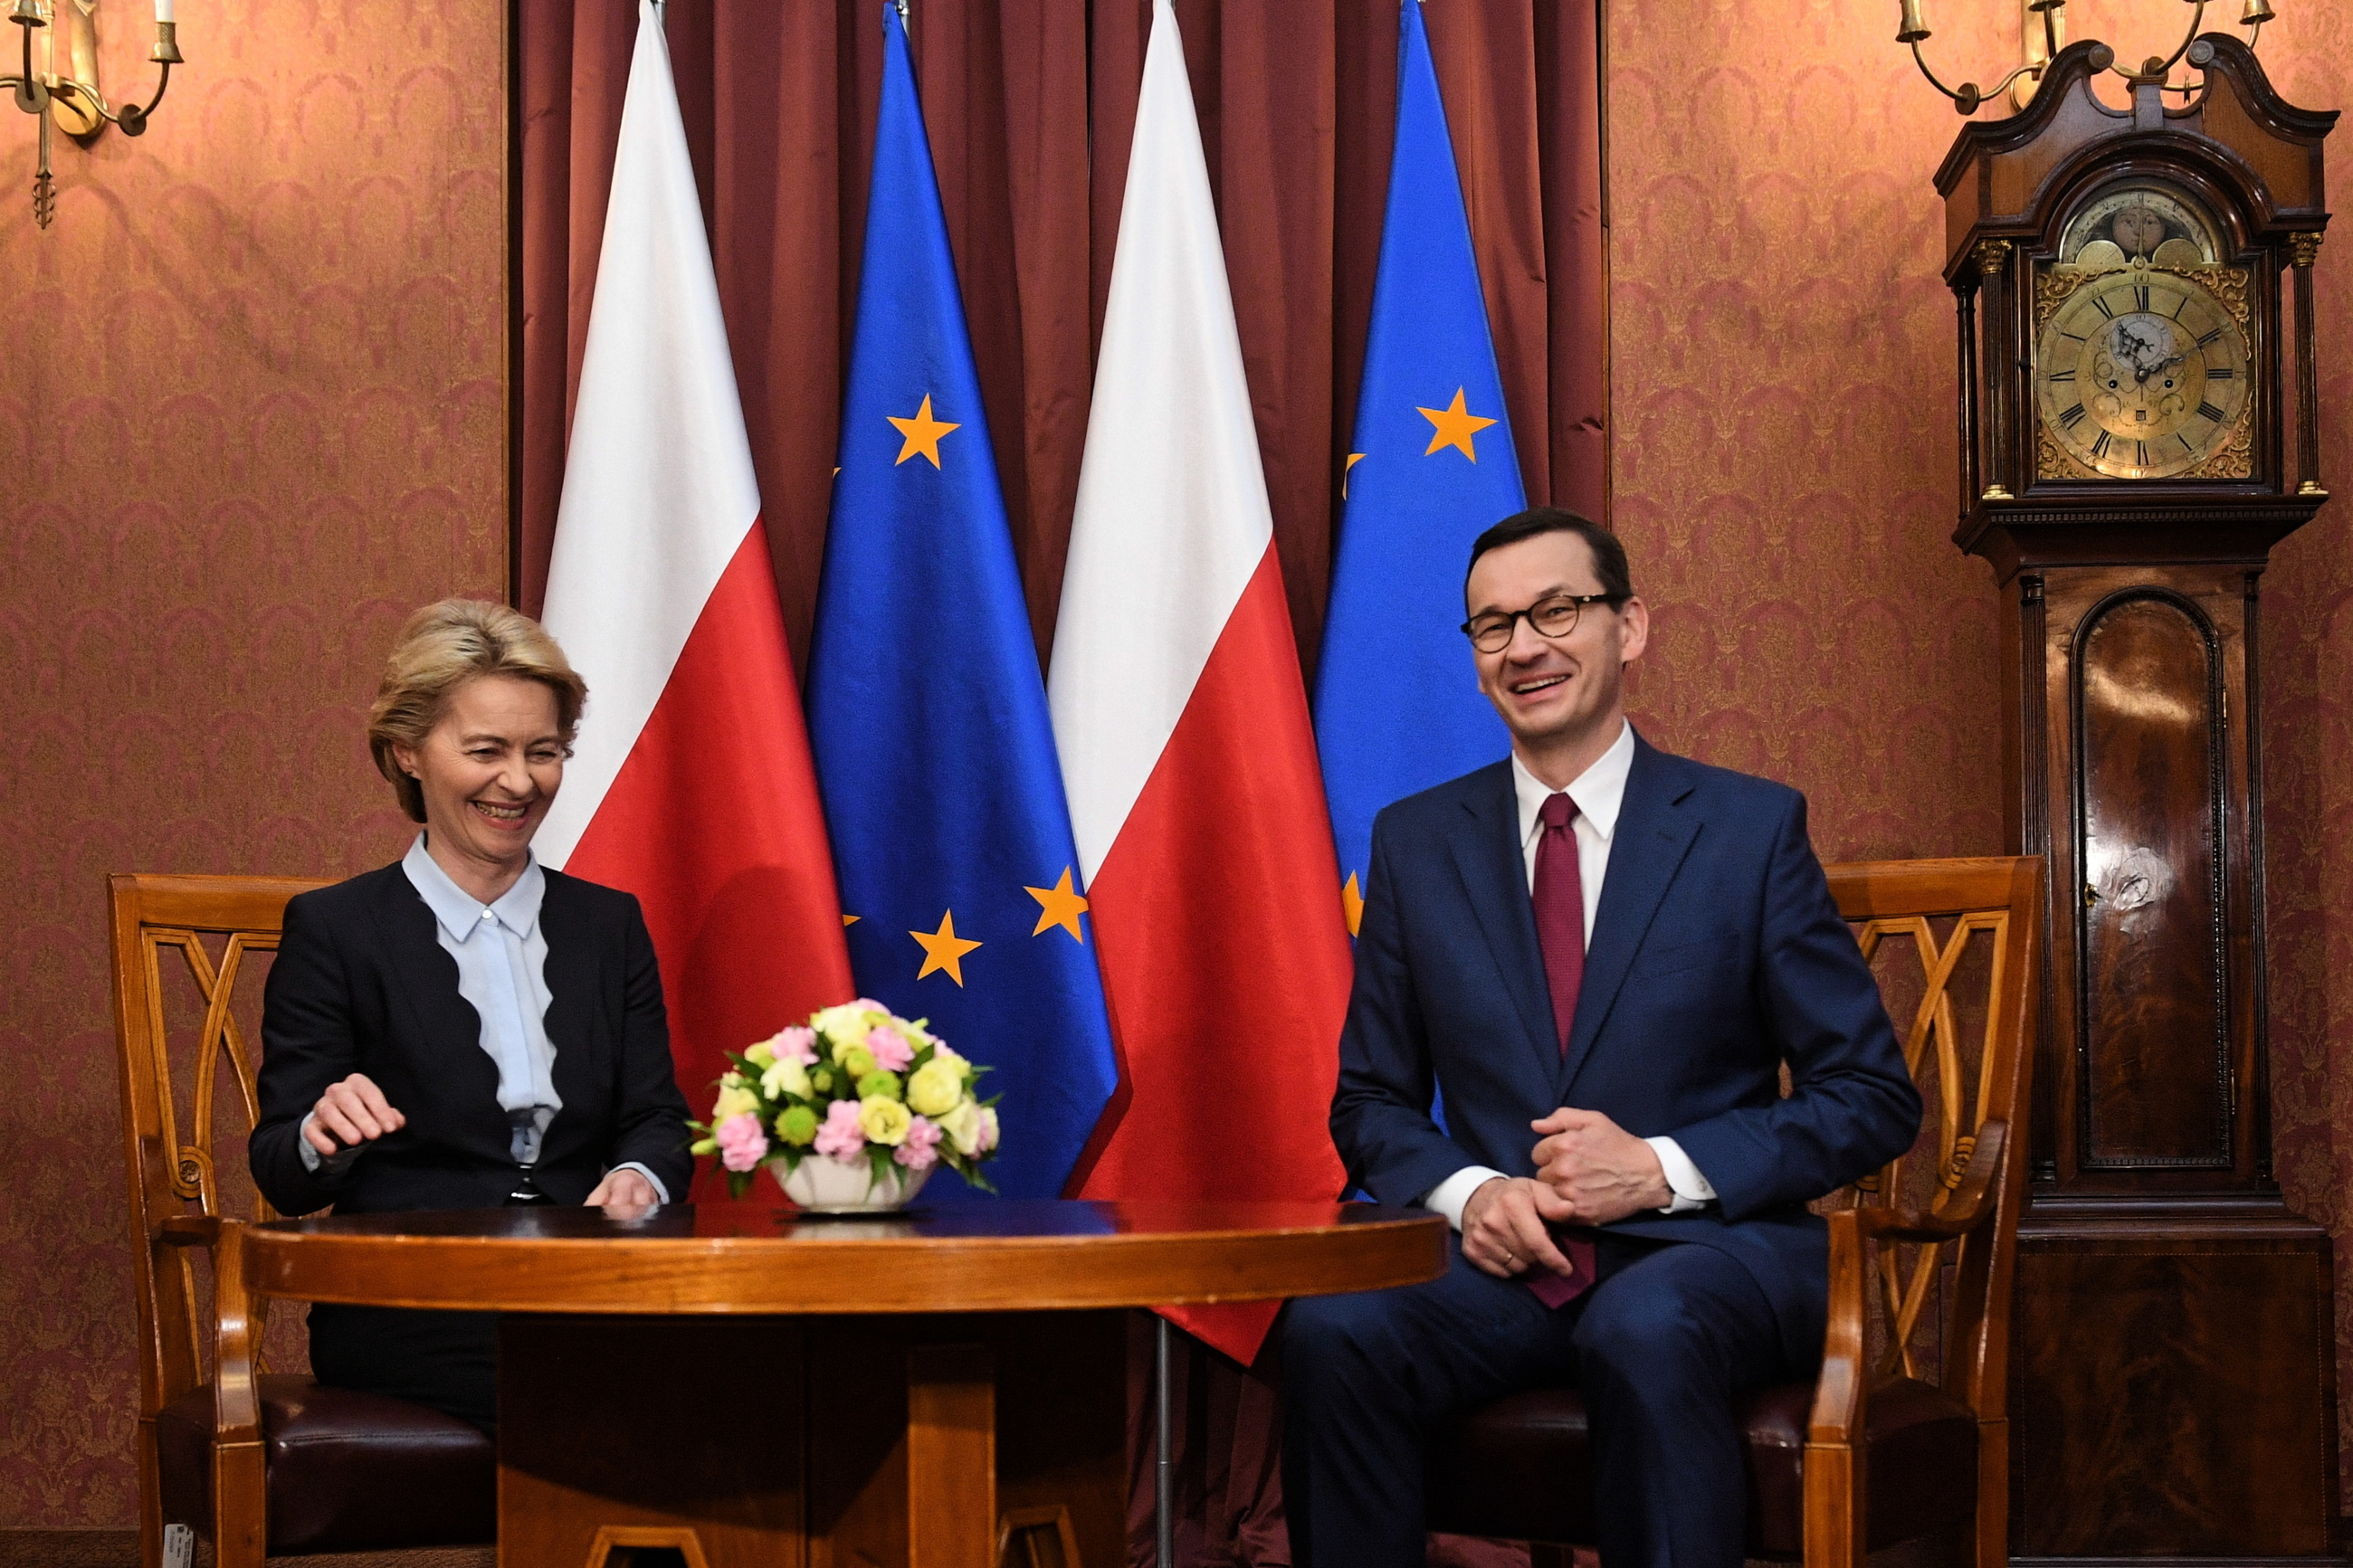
[1521,1469]
[348,1471]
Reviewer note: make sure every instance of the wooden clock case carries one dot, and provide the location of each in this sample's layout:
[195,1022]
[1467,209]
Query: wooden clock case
[2174,1368]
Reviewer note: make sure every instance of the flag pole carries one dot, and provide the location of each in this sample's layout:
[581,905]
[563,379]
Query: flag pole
[1164,1502]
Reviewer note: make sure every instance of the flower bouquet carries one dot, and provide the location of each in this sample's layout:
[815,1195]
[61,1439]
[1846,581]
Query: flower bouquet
[850,1111]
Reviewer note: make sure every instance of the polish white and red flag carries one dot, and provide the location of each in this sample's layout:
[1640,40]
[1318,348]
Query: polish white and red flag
[1182,723]
[691,786]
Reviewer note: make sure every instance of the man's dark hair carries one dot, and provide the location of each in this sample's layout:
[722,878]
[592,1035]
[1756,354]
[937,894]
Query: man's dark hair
[1608,554]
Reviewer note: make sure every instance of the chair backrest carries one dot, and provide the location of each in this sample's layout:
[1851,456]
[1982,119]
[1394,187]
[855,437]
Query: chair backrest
[182,1041]
[1962,1004]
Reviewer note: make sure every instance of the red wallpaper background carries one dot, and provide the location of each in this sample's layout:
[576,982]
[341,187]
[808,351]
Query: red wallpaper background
[257,413]
[254,414]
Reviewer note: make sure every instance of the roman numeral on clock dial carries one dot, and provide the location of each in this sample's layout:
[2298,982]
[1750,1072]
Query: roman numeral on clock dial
[2100,448]
[2210,412]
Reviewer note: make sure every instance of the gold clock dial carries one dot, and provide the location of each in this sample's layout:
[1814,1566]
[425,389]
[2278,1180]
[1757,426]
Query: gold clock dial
[2142,373]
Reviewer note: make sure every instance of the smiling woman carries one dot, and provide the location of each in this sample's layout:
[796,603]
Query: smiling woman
[464,1028]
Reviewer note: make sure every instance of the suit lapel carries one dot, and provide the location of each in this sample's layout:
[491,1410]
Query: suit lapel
[1653,836]
[449,1030]
[571,975]
[1495,874]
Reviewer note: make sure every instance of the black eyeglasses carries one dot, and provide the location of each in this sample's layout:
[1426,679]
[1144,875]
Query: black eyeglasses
[1554,618]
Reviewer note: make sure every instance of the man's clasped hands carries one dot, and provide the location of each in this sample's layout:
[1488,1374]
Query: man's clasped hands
[1590,1171]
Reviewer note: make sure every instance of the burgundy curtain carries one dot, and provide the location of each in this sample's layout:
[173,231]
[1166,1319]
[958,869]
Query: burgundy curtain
[1031,105]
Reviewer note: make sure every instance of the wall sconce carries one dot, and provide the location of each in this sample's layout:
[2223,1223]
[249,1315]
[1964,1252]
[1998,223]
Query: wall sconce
[58,81]
[2045,31]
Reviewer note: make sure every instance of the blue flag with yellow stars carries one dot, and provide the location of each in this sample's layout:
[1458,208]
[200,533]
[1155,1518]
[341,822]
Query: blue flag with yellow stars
[1398,706]
[926,709]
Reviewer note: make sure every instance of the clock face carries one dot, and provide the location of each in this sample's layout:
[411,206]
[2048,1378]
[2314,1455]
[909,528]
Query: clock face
[2142,373]
[2140,223]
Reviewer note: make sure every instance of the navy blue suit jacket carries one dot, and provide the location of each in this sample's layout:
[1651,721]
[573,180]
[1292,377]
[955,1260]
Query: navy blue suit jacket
[1717,956]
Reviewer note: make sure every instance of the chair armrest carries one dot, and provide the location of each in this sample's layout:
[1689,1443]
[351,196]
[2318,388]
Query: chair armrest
[240,1472]
[236,1398]
[191,1230]
[1843,1390]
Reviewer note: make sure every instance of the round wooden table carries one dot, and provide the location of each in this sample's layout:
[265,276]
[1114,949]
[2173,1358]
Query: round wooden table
[750,1385]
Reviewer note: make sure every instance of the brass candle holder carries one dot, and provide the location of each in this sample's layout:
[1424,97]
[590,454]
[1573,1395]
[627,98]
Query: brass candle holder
[2048,18]
[59,80]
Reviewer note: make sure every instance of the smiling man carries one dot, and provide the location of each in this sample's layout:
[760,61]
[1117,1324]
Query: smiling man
[1601,955]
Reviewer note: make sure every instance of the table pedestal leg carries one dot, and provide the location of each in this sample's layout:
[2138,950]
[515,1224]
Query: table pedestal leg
[904,1442]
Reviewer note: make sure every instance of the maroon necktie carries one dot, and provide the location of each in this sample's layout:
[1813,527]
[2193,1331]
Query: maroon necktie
[1560,932]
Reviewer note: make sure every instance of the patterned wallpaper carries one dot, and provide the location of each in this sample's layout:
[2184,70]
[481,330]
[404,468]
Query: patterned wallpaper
[258,415]
[254,415]
[1782,383]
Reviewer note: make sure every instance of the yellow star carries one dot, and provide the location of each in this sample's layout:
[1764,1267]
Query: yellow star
[1354,458]
[942,949]
[1454,427]
[1352,904]
[1058,906]
[850,919]
[923,432]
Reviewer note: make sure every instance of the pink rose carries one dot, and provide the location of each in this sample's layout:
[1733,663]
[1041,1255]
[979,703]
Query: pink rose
[987,1127]
[841,1137]
[890,1047]
[741,1145]
[868,1005]
[797,1044]
[920,1148]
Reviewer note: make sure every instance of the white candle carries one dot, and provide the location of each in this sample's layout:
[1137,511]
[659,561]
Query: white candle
[162,10]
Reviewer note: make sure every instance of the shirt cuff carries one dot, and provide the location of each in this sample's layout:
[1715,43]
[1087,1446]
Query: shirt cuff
[1450,1196]
[318,1165]
[662,1193]
[1692,1190]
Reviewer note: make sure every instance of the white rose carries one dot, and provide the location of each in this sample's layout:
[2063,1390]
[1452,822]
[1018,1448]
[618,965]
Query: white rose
[735,1097]
[962,1126]
[935,1088]
[785,1076]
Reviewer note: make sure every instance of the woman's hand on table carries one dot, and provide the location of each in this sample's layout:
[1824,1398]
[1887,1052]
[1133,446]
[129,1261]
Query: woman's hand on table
[626,1192]
[350,1115]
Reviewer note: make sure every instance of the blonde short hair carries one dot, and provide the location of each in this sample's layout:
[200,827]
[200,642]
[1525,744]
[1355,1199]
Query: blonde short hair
[443,647]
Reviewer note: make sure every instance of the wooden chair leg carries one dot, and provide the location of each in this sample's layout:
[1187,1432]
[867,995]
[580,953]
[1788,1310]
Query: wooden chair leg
[1834,1506]
[240,1483]
[1990,1527]
[240,1505]
[151,1498]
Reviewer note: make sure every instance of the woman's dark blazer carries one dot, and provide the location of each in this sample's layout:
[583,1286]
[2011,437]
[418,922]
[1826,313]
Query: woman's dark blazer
[362,984]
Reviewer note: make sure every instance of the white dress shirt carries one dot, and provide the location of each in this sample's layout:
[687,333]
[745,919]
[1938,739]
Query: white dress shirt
[1598,792]
[502,955]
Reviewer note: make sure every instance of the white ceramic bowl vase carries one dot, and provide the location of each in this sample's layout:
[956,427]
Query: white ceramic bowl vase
[822,1185]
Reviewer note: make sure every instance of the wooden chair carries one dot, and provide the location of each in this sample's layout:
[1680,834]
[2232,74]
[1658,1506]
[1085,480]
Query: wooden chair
[260,1462]
[1902,1439]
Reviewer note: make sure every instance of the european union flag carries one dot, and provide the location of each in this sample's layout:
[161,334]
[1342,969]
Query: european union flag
[1398,707]
[926,709]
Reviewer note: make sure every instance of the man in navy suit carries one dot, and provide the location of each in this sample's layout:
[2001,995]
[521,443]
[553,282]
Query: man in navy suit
[1602,956]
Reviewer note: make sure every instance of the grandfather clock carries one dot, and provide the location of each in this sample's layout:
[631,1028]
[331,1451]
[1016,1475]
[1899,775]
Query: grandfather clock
[2134,292]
